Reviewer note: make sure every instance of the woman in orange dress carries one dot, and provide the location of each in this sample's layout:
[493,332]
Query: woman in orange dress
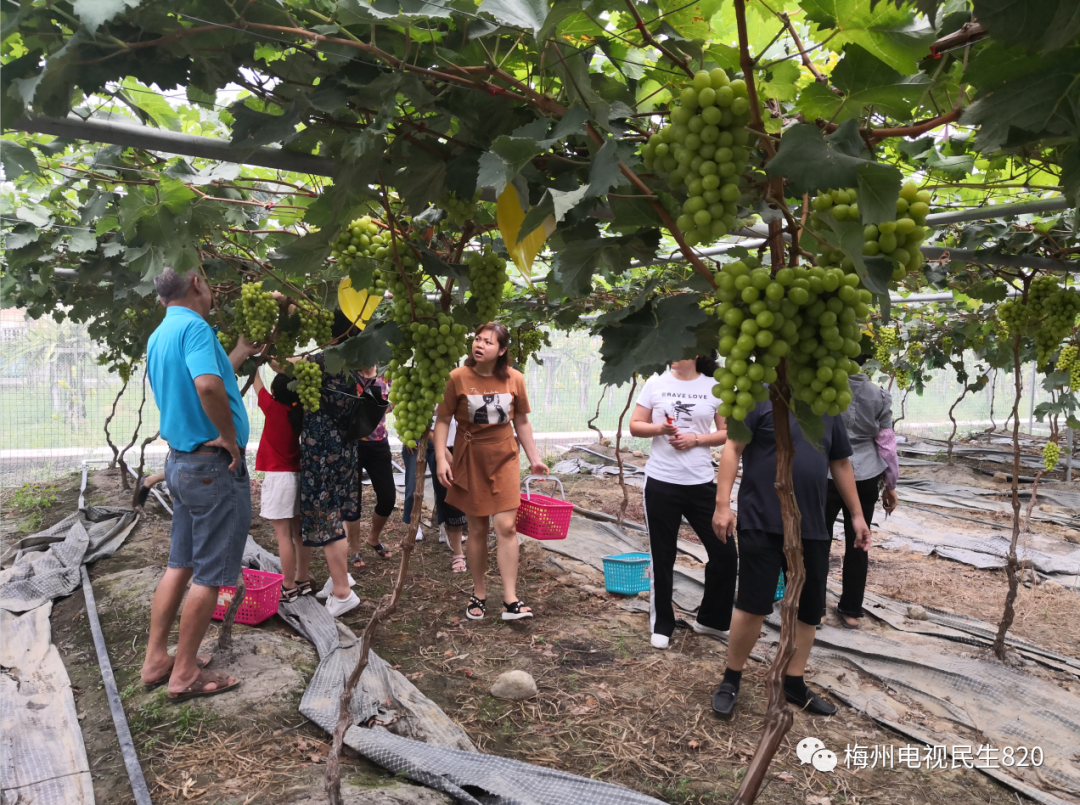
[482,477]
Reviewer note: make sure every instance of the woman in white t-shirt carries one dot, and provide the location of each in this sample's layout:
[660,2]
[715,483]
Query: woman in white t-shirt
[678,410]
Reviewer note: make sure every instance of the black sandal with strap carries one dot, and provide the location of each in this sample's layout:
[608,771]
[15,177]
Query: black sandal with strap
[476,603]
[289,594]
[304,587]
[514,611]
[380,549]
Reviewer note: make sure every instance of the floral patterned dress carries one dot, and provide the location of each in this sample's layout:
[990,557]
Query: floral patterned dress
[328,466]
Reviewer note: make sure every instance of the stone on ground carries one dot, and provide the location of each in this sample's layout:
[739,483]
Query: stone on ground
[516,686]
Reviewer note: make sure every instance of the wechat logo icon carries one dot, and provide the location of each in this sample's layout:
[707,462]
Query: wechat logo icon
[813,751]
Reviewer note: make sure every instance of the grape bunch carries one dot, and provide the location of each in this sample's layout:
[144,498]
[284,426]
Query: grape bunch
[315,325]
[811,316]
[361,238]
[260,313]
[526,342]
[1051,454]
[458,211]
[704,150]
[886,338]
[431,346]
[947,345]
[487,276]
[308,384]
[227,340]
[1055,310]
[1069,361]
[1050,310]
[898,241]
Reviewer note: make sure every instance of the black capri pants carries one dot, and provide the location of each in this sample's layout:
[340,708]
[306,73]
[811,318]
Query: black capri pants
[376,459]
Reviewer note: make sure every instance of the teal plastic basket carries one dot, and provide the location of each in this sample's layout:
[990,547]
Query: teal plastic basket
[780,587]
[627,573]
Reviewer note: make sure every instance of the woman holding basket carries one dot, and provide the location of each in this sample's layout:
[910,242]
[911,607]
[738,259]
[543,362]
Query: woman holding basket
[482,477]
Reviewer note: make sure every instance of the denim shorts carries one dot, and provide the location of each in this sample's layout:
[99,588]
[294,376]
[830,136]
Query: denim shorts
[211,515]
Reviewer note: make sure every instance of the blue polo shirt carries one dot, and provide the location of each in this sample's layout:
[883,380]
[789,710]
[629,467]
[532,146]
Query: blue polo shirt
[183,347]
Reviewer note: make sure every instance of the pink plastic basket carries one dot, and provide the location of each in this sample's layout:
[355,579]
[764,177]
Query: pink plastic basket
[541,517]
[262,591]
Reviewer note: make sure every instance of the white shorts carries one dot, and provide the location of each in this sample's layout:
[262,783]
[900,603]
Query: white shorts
[280,496]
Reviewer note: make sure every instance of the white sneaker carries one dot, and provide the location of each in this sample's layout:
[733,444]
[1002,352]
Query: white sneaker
[442,534]
[419,534]
[709,631]
[660,641]
[328,588]
[336,607]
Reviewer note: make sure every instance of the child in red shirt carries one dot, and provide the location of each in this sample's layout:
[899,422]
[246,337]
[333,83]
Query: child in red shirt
[279,458]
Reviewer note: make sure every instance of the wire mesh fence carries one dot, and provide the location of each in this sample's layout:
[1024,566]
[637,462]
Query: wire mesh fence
[55,401]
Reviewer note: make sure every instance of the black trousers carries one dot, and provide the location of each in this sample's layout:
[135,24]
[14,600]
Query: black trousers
[376,458]
[856,560]
[665,506]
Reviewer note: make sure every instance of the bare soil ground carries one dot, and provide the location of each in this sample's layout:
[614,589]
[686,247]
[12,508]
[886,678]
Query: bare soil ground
[609,706]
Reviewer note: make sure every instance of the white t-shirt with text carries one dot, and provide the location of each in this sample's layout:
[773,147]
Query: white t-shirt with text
[692,408]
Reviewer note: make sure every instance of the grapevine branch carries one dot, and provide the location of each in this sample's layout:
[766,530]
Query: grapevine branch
[591,423]
[385,610]
[1011,562]
[649,39]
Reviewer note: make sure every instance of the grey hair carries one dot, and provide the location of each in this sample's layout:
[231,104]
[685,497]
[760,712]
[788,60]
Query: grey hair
[171,286]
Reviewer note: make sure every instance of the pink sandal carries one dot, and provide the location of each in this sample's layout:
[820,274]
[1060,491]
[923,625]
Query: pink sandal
[458,565]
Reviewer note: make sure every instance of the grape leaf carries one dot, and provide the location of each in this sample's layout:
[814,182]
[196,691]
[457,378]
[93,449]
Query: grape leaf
[864,80]
[1035,100]
[738,432]
[879,188]
[690,20]
[17,160]
[423,181]
[1043,26]
[251,128]
[529,14]
[646,341]
[369,348]
[604,173]
[82,240]
[575,263]
[353,12]
[304,255]
[892,34]
[508,155]
[811,425]
[812,162]
[875,272]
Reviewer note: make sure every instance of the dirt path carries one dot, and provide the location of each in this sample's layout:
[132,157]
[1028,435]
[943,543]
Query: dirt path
[609,706]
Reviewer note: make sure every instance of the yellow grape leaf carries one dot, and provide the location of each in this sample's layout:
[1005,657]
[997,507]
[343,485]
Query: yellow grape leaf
[510,213]
[357,305]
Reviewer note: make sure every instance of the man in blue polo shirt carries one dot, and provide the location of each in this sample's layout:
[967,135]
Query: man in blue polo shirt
[204,421]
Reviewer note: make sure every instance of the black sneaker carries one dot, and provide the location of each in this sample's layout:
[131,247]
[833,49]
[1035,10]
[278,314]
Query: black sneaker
[811,703]
[723,701]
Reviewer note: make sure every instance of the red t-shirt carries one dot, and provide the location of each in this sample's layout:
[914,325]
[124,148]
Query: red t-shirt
[279,447]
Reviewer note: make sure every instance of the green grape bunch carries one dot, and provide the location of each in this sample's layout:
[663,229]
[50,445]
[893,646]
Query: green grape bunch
[898,241]
[1050,312]
[704,150]
[309,384]
[459,211]
[1069,361]
[526,343]
[431,346]
[487,277]
[361,238]
[260,313]
[813,317]
[885,338]
[315,325]
[1051,455]
[227,341]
